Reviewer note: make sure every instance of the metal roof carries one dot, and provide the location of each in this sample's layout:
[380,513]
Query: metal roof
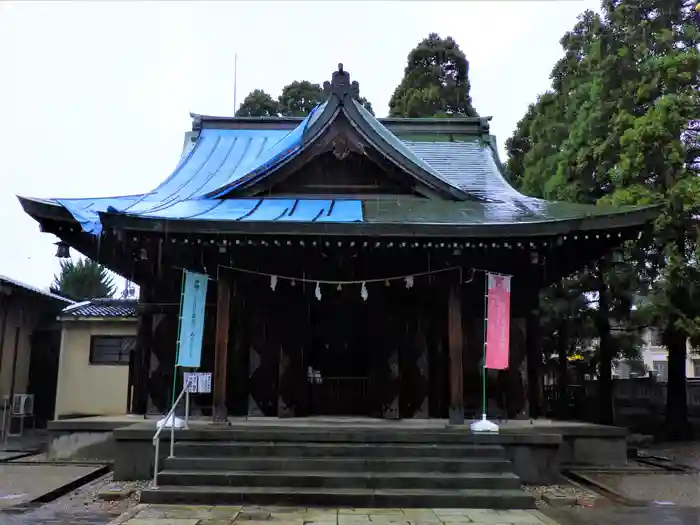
[34,290]
[463,170]
[116,308]
[470,165]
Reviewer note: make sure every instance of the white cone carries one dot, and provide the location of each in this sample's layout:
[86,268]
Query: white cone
[483,425]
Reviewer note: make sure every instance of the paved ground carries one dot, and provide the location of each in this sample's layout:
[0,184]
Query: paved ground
[22,483]
[7,456]
[679,489]
[189,515]
[626,516]
[81,507]
[687,453]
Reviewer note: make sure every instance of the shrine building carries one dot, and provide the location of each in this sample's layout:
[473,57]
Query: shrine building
[347,257]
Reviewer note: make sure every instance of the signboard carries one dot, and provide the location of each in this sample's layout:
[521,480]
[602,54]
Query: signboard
[198,382]
[194,297]
[497,321]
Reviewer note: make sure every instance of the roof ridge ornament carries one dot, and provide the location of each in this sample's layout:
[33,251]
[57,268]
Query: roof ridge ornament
[340,85]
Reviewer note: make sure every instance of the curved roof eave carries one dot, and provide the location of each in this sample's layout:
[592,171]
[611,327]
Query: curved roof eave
[635,218]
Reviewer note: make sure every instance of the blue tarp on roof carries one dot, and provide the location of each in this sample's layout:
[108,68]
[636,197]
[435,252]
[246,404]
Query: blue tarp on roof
[219,160]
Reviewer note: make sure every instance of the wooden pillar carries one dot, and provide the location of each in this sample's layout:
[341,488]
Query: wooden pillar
[223,309]
[142,360]
[533,349]
[455,343]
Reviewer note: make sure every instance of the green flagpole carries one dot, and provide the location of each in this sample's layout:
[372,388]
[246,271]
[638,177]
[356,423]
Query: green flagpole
[483,368]
[484,425]
[177,347]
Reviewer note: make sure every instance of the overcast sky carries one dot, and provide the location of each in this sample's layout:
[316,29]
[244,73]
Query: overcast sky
[95,96]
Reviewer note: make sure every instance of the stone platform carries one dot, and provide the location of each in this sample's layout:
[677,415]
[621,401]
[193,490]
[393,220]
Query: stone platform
[359,461]
[537,448]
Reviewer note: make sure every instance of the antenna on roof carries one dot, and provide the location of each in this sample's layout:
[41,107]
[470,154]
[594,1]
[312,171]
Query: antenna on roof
[235,71]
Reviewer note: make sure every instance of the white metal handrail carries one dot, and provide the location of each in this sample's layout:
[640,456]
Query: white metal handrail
[170,416]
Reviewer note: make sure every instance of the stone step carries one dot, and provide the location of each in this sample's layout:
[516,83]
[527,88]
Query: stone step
[342,480]
[344,434]
[328,497]
[331,464]
[311,449]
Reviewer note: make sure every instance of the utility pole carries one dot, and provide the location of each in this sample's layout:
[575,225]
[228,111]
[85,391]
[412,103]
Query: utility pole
[235,74]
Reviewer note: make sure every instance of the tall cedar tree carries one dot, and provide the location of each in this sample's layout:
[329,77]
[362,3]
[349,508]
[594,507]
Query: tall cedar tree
[435,82]
[655,125]
[82,280]
[297,100]
[551,156]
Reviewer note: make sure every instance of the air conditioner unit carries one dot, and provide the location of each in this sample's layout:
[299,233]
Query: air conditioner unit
[23,405]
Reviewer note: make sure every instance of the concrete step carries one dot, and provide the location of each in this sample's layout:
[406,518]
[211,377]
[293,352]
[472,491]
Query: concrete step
[365,498]
[335,464]
[344,434]
[342,480]
[358,450]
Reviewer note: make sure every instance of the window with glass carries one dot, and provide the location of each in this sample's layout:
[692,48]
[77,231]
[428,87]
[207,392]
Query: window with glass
[111,350]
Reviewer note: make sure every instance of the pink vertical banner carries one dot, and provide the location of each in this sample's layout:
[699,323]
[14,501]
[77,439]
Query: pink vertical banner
[497,321]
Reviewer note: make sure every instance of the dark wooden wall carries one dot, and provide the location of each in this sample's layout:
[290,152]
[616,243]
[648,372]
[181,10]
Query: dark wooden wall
[404,331]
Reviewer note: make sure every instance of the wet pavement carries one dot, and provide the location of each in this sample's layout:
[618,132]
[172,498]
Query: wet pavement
[81,507]
[23,483]
[48,516]
[626,516]
[9,455]
[687,453]
[682,490]
[253,515]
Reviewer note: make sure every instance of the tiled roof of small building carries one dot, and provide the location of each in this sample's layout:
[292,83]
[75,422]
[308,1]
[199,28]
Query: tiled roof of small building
[102,308]
[33,289]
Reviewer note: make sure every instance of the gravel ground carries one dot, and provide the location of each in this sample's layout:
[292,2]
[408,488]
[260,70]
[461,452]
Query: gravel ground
[581,496]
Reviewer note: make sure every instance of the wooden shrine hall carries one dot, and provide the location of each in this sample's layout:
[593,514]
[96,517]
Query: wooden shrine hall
[347,257]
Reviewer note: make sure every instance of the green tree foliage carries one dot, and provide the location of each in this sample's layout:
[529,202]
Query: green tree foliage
[297,100]
[562,149]
[620,125]
[82,280]
[366,104]
[258,104]
[435,82]
[566,319]
[656,131]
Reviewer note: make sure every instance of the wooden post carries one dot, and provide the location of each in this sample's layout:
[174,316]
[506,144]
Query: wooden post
[534,359]
[223,307]
[455,342]
[144,343]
